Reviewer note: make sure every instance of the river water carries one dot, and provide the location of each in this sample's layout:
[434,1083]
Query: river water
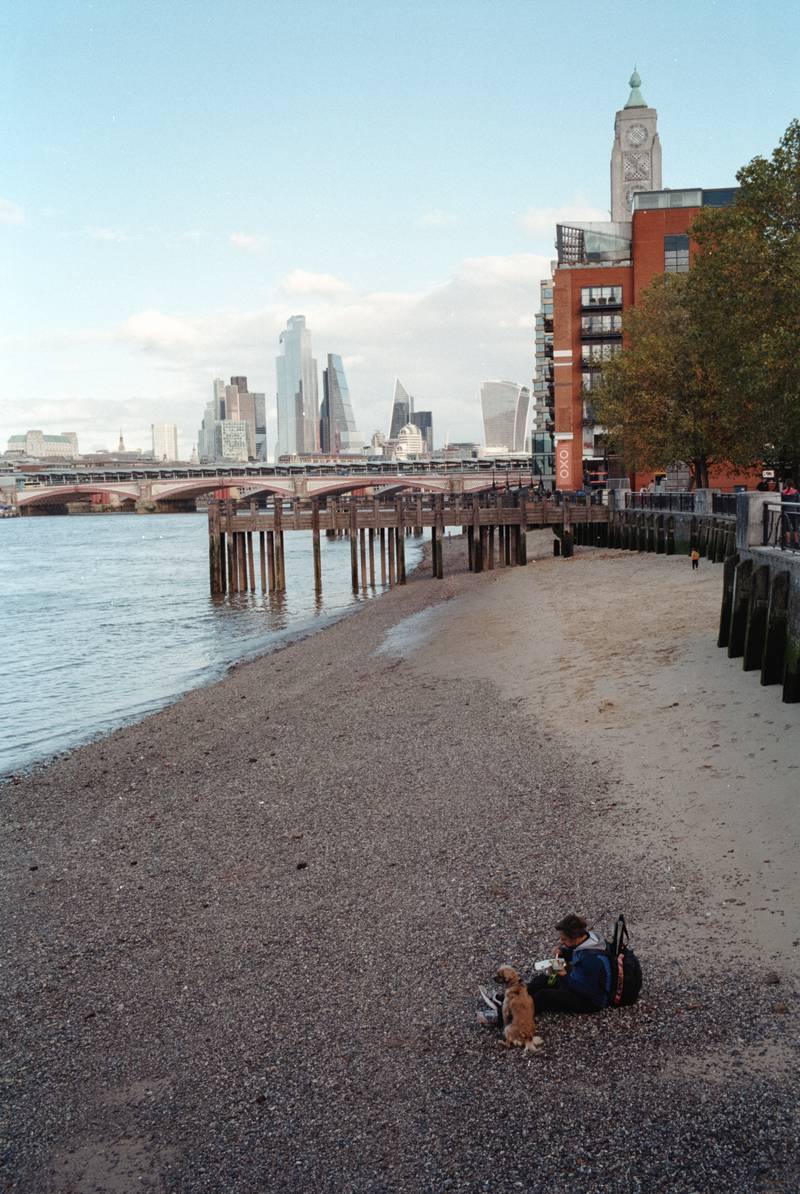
[108,617]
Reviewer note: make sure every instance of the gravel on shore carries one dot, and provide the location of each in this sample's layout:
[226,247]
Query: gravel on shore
[243,940]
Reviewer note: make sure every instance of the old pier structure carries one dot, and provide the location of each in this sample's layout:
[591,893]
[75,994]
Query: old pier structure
[246,541]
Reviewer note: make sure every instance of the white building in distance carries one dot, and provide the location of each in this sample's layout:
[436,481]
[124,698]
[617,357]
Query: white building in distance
[504,405]
[165,441]
[44,447]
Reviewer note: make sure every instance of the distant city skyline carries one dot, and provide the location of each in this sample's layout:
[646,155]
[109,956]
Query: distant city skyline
[126,299]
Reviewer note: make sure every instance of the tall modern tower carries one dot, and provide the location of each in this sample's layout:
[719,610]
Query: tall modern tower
[505,414]
[337,424]
[402,409]
[636,153]
[424,420]
[298,391]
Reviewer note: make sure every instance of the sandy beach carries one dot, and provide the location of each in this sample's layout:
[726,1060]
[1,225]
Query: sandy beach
[244,936]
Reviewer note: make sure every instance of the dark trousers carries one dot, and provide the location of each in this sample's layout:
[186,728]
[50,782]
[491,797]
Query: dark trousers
[695,564]
[557,998]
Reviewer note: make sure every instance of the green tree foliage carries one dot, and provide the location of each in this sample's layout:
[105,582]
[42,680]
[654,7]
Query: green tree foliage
[710,371]
[745,300]
[656,399]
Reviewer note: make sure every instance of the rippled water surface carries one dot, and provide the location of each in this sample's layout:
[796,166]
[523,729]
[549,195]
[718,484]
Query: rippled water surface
[106,618]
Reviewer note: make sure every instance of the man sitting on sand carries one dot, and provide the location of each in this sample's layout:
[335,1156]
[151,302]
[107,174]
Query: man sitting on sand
[585,984]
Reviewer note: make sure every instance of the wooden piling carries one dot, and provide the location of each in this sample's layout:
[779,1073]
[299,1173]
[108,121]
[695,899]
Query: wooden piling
[756,630]
[316,545]
[383,555]
[214,561]
[232,572]
[251,562]
[362,541]
[490,561]
[400,540]
[372,557]
[353,544]
[391,554]
[471,548]
[434,551]
[743,583]
[271,560]
[440,527]
[280,559]
[262,561]
[774,650]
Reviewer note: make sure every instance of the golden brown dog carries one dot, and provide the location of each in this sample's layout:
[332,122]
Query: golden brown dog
[520,1026]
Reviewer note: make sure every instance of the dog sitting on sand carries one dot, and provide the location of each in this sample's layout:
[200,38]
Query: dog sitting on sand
[518,1017]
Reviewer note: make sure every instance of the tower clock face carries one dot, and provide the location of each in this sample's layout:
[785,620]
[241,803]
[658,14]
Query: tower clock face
[637,166]
[637,134]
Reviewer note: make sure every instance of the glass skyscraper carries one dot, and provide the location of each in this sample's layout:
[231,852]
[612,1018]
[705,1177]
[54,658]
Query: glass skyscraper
[298,391]
[337,424]
[402,409]
[505,414]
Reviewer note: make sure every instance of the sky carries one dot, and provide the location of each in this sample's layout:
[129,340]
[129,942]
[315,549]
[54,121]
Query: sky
[180,176]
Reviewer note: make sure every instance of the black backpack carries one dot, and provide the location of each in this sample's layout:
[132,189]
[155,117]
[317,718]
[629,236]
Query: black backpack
[626,969]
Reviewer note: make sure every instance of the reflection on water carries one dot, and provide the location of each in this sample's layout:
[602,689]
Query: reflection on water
[106,618]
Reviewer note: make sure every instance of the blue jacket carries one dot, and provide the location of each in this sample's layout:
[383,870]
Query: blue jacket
[589,972]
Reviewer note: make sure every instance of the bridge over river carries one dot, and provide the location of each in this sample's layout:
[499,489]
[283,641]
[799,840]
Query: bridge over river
[165,489]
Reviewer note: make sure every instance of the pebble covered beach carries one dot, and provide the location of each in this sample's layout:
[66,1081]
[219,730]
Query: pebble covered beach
[243,937]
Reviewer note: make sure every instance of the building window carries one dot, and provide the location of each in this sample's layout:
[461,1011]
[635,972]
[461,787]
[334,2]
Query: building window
[676,254]
[595,354]
[601,325]
[601,296]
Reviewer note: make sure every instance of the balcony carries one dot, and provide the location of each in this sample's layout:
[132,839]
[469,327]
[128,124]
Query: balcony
[593,303]
[601,333]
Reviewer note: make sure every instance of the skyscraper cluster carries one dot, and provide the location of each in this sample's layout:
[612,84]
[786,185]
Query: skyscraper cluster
[410,431]
[234,425]
[303,427]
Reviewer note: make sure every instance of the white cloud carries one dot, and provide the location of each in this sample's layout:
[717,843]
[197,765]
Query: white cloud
[301,281]
[441,341]
[542,220]
[11,213]
[250,242]
[157,332]
[436,218]
[117,235]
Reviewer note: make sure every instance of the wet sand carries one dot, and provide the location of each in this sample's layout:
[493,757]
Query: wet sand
[244,935]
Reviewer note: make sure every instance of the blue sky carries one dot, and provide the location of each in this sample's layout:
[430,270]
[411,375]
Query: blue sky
[180,176]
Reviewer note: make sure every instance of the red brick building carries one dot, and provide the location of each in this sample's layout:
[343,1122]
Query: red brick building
[601,271]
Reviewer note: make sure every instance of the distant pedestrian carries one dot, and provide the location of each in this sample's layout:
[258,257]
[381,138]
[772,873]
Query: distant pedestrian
[790,510]
[695,559]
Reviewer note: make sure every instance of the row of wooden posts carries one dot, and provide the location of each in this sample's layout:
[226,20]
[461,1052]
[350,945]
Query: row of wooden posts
[254,556]
[494,525]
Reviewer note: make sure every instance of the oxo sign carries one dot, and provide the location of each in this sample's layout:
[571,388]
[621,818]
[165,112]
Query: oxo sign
[564,464]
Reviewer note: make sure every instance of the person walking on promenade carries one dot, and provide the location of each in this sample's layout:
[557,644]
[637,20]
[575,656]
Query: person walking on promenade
[695,559]
[584,984]
[790,511]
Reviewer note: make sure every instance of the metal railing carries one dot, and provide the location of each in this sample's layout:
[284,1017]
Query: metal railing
[681,501]
[782,525]
[723,503]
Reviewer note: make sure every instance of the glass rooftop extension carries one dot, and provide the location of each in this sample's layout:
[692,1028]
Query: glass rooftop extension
[593,243]
[687,197]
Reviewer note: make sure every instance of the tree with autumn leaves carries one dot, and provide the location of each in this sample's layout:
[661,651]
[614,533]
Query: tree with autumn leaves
[710,370]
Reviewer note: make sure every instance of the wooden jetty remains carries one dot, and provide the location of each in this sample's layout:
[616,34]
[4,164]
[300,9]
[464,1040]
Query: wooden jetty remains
[494,523]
